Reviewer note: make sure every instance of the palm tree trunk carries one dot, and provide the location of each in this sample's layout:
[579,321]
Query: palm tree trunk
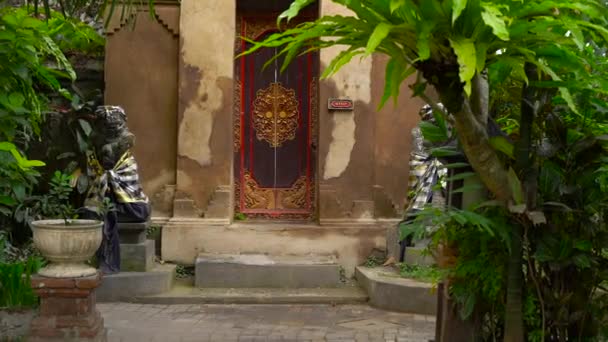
[514,323]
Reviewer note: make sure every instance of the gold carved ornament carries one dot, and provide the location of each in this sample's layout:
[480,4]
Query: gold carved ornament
[294,197]
[257,197]
[275,114]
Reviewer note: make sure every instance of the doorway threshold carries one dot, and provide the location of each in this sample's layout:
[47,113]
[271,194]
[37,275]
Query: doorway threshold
[279,224]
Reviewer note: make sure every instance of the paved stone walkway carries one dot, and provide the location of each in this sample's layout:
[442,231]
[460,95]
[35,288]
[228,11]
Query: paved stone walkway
[226,323]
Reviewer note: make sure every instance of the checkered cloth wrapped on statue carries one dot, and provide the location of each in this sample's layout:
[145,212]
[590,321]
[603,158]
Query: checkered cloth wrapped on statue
[115,178]
[425,173]
[122,181]
[425,170]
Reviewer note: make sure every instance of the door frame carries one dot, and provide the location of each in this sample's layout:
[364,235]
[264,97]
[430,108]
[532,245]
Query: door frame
[265,23]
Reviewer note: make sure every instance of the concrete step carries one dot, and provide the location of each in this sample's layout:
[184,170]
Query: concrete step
[125,286]
[188,294]
[388,290]
[263,271]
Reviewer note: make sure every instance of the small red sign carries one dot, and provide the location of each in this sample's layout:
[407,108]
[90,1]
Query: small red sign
[340,104]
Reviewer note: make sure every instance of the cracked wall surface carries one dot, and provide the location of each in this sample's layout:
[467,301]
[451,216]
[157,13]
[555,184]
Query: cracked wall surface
[362,155]
[205,98]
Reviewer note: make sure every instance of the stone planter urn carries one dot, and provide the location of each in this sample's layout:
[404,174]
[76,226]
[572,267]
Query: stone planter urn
[67,246]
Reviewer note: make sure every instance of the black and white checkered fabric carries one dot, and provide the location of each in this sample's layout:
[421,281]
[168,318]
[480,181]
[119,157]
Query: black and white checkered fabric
[425,173]
[122,181]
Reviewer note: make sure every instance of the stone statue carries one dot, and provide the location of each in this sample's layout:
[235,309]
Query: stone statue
[425,170]
[115,182]
[425,173]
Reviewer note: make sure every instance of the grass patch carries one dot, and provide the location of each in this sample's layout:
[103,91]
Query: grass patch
[182,271]
[373,261]
[427,274]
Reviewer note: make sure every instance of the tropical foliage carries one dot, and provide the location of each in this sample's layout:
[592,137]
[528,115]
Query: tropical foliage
[533,67]
[35,75]
[33,69]
[25,48]
[96,8]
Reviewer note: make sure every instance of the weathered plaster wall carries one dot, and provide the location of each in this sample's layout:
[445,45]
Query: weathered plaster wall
[141,76]
[393,125]
[364,154]
[346,138]
[351,245]
[205,101]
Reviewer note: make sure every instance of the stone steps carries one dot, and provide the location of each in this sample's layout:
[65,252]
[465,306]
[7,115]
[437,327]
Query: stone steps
[388,290]
[263,271]
[184,294]
[125,286]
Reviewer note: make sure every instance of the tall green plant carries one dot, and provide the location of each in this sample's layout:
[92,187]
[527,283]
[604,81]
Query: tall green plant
[25,52]
[26,48]
[17,177]
[33,72]
[15,288]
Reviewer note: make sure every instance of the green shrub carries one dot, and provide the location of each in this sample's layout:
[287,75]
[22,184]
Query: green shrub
[427,274]
[16,268]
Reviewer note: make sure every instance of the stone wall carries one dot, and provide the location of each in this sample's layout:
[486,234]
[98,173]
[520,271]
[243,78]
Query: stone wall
[350,187]
[175,78]
[204,157]
[141,76]
[364,154]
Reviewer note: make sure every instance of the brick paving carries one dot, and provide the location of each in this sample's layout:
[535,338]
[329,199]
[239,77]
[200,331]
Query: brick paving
[236,323]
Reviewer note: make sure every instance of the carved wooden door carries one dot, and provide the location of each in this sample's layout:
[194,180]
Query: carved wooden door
[274,129]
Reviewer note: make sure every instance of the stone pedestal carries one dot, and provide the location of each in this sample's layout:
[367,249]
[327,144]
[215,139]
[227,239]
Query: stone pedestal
[136,252]
[67,310]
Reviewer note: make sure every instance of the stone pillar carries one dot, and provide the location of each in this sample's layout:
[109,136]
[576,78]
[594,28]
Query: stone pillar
[205,108]
[67,310]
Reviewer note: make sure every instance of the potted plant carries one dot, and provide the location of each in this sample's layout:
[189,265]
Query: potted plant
[64,240]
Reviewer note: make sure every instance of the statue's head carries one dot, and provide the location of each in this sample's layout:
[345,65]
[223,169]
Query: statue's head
[112,120]
[426,115]
[426,112]
[112,136]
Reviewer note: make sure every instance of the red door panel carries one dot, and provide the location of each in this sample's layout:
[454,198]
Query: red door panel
[275,123]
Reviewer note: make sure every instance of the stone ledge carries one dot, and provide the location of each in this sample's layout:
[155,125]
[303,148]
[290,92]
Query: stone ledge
[39,282]
[264,271]
[192,295]
[387,290]
[125,286]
